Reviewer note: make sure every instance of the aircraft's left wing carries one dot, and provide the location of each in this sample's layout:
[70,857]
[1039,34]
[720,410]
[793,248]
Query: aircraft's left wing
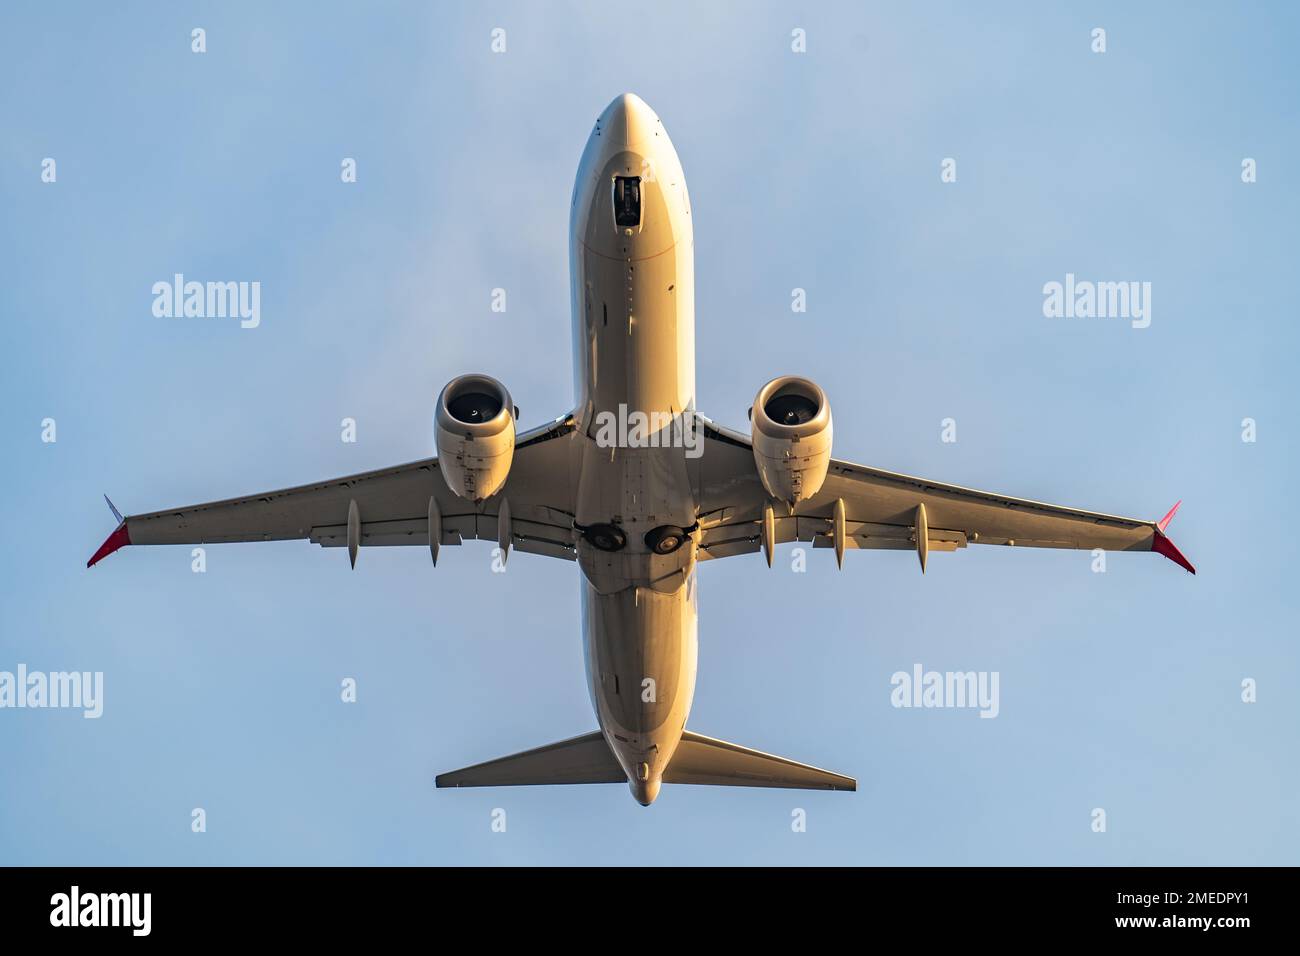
[394,506]
[861,507]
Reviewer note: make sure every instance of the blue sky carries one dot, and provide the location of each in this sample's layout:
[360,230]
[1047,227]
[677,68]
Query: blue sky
[819,171]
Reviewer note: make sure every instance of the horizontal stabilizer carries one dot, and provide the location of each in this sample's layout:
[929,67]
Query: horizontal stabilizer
[585,759]
[703,760]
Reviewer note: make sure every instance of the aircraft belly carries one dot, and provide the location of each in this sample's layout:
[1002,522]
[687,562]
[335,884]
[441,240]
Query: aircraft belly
[635,462]
[641,648]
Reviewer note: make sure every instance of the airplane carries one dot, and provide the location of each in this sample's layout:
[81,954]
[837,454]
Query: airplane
[639,507]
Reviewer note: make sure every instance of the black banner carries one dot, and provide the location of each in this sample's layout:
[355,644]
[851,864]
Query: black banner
[330,905]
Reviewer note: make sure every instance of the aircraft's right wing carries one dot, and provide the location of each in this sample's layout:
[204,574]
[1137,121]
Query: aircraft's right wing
[885,510]
[394,505]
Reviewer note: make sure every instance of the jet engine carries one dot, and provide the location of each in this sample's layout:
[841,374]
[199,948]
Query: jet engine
[475,426]
[791,435]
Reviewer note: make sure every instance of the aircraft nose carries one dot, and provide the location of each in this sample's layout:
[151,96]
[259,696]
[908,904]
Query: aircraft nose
[629,120]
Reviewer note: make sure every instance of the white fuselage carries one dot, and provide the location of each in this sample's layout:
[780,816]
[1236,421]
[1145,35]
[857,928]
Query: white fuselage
[633,292]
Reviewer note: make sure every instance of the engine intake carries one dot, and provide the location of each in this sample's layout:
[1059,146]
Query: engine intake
[475,431]
[791,435]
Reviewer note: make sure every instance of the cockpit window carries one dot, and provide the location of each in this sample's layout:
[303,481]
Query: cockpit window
[627,201]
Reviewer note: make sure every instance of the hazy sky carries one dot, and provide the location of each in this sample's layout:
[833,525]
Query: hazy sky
[820,171]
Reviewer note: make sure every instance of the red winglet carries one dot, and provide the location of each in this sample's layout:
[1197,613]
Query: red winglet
[1162,545]
[118,539]
[1164,522]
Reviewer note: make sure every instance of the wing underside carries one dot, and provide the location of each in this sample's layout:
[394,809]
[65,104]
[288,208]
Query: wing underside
[394,506]
[883,510]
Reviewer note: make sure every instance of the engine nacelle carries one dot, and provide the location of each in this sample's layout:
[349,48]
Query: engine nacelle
[475,425]
[791,433]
